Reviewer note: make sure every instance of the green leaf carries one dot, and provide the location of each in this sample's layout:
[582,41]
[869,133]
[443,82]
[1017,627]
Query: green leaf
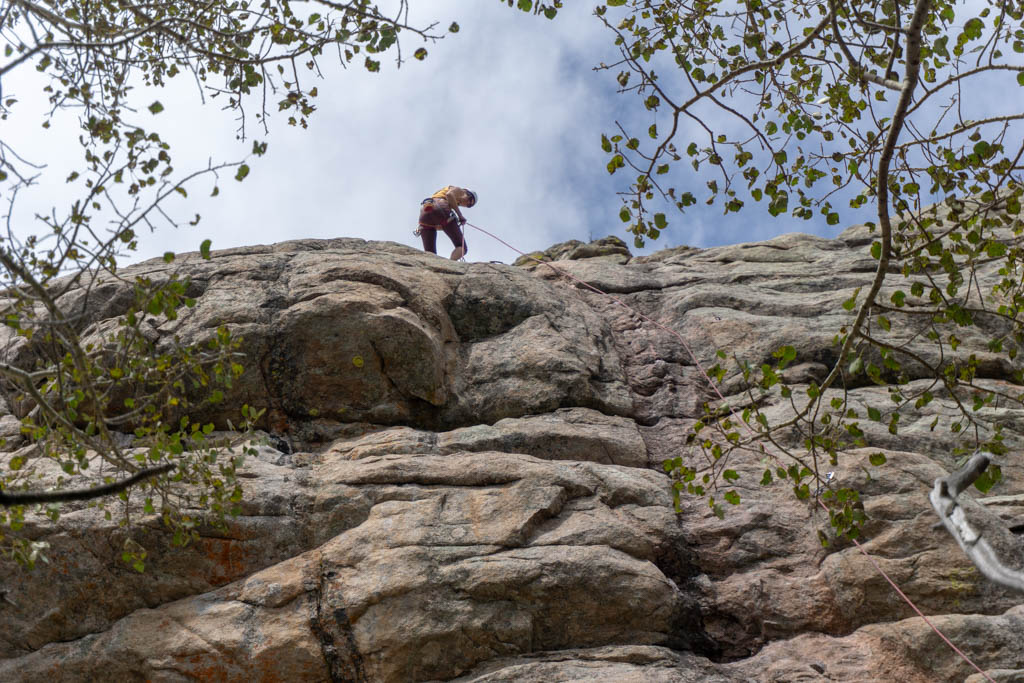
[877,459]
[898,297]
[204,249]
[156,107]
[989,478]
[624,215]
[730,475]
[660,221]
[786,355]
[852,301]
[1020,78]
[420,54]
[243,171]
[732,497]
[973,27]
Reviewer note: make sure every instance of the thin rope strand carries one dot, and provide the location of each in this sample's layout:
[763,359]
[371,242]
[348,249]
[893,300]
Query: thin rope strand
[914,607]
[707,377]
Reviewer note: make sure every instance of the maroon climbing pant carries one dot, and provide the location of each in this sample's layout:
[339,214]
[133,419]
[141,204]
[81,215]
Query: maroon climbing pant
[434,214]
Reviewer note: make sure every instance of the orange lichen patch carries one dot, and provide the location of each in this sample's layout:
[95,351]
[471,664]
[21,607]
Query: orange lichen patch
[278,422]
[210,667]
[216,667]
[228,559]
[198,667]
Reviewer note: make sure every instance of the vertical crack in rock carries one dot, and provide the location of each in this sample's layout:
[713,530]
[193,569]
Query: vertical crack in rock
[645,375]
[330,624]
[268,366]
[386,374]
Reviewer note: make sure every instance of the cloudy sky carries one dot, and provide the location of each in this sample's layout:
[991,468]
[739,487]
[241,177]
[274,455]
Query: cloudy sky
[510,107]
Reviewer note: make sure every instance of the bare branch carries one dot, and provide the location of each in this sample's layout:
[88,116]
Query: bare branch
[856,68]
[9,499]
[994,549]
[912,74]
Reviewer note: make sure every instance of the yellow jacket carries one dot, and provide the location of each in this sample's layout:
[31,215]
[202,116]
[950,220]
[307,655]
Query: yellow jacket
[455,196]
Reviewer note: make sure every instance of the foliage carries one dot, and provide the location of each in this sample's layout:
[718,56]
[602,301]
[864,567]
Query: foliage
[549,11]
[78,387]
[799,107]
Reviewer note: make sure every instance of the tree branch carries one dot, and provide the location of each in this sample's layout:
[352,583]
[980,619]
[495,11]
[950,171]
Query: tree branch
[855,67]
[994,549]
[9,499]
[910,80]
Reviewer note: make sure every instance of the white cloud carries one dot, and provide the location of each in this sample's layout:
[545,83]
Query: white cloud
[509,107]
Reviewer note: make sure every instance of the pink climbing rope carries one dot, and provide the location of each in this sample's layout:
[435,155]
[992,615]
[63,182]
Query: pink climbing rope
[914,607]
[714,387]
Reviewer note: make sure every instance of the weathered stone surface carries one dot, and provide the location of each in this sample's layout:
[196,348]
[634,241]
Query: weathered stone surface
[423,565]
[610,249]
[85,587]
[621,664]
[463,481]
[565,434]
[907,650]
[339,329]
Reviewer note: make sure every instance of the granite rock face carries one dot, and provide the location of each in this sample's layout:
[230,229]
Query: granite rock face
[461,480]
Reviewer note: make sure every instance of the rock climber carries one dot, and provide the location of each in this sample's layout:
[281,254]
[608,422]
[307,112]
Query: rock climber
[441,210]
